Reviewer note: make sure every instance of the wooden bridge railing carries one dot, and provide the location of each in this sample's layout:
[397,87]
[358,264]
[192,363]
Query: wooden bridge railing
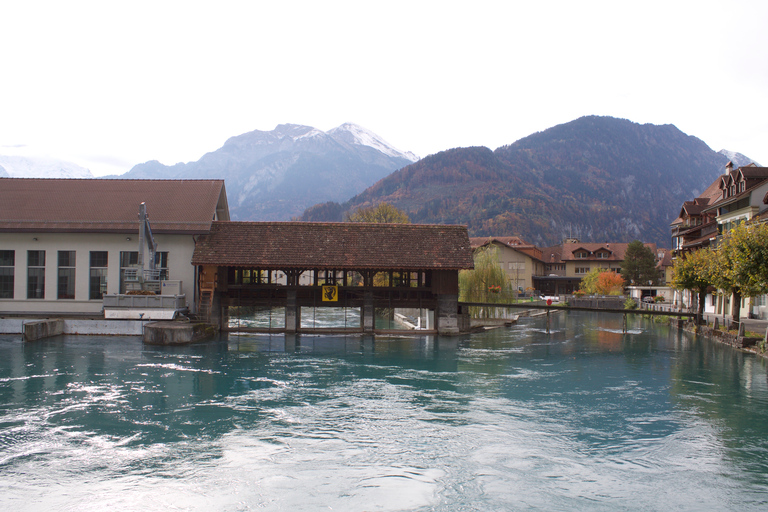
[539,305]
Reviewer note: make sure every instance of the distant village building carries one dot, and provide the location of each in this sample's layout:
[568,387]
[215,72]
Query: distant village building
[567,263]
[519,259]
[558,270]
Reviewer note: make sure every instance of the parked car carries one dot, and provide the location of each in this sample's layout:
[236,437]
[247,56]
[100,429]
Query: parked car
[648,298]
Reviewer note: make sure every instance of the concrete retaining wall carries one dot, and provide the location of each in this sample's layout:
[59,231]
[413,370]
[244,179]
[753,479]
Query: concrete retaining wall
[71,326]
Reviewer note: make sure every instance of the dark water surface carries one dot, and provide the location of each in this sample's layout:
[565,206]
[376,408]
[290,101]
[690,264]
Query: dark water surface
[584,418]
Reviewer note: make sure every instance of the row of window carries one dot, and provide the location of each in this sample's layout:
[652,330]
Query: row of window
[66,263]
[585,270]
[584,255]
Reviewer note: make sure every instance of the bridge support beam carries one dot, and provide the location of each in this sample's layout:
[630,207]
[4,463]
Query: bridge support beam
[292,312]
[369,312]
[624,324]
[447,314]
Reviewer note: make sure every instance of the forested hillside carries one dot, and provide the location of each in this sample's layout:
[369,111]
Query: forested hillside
[595,178]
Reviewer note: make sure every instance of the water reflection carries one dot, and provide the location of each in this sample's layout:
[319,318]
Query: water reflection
[583,417]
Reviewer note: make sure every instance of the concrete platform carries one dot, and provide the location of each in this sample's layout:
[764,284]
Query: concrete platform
[177,333]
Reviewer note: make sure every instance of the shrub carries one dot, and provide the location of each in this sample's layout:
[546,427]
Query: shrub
[630,303]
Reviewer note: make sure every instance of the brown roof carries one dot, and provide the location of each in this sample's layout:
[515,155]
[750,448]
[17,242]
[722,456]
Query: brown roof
[103,205]
[666,259]
[564,252]
[513,242]
[334,245]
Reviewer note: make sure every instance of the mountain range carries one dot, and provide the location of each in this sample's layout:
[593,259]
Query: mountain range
[595,178]
[276,175]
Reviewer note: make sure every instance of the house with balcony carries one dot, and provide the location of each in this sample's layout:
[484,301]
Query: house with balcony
[736,196]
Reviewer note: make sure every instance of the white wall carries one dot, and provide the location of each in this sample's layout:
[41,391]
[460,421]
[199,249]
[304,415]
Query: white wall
[179,248]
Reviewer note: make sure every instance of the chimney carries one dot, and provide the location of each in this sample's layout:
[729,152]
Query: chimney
[728,167]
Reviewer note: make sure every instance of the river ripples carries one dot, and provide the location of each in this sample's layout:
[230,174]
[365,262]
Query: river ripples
[585,417]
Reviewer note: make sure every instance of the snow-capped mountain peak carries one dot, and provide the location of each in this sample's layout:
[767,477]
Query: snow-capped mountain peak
[40,167]
[355,134]
[738,159]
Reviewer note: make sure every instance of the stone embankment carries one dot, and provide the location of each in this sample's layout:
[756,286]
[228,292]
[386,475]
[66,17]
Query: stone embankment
[737,339]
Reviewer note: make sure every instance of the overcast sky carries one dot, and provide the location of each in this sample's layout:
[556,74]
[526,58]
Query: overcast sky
[110,84]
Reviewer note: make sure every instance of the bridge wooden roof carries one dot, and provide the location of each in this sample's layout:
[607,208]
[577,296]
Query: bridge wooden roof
[349,245]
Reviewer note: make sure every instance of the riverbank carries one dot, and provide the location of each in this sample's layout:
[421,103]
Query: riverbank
[748,343]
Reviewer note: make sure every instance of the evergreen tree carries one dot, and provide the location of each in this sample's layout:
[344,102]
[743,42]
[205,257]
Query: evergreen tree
[639,266]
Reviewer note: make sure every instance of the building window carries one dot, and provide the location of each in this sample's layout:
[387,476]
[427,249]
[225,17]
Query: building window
[161,264]
[582,270]
[582,255]
[97,284]
[128,270]
[35,274]
[66,284]
[7,267]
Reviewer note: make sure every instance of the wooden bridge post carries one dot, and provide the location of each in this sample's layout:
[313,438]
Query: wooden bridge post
[624,324]
[547,321]
[292,311]
[369,313]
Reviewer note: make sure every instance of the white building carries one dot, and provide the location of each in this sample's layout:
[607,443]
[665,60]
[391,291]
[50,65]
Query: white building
[65,243]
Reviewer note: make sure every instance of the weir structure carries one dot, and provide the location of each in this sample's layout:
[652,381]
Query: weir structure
[283,268]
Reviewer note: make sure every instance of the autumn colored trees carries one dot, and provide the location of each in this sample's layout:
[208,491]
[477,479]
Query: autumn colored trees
[738,266]
[381,213]
[691,273]
[602,282]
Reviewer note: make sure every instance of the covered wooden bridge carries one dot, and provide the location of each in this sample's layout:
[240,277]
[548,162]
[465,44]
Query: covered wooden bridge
[287,266]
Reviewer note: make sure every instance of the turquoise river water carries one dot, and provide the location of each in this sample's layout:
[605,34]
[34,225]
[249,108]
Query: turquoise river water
[583,418]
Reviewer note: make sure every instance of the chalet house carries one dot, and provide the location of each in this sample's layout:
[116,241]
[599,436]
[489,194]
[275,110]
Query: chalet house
[694,227]
[741,196]
[65,243]
[567,263]
[519,259]
[736,196]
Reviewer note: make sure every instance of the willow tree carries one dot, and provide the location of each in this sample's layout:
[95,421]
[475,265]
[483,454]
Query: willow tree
[487,282]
